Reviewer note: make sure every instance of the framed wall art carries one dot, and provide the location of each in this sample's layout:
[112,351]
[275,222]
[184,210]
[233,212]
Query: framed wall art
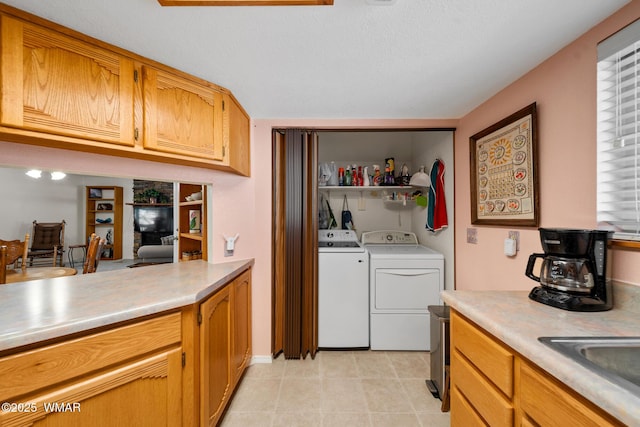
[504,172]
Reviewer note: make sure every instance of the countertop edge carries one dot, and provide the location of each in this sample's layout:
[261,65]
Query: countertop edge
[12,341]
[518,333]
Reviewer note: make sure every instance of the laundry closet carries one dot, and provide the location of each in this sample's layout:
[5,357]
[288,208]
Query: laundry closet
[384,243]
[376,208]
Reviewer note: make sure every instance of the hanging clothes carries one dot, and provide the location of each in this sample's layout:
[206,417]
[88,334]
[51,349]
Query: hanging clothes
[437,206]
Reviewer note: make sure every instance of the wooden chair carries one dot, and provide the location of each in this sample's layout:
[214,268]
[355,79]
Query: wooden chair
[3,265]
[16,250]
[94,252]
[47,242]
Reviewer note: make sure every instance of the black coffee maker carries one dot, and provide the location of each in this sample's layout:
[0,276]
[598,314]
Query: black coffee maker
[573,275]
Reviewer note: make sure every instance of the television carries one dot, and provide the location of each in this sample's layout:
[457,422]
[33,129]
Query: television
[153,219]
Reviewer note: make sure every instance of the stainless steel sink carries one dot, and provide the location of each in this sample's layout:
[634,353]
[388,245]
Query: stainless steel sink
[615,358]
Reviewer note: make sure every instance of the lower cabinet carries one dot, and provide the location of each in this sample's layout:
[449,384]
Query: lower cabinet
[128,376]
[177,369]
[241,325]
[225,346]
[545,401]
[481,377]
[491,385]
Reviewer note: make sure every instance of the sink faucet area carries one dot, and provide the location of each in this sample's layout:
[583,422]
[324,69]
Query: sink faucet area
[615,358]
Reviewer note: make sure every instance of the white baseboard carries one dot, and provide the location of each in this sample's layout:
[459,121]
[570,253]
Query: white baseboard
[261,359]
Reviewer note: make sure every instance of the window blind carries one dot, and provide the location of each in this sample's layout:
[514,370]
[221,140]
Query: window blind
[618,170]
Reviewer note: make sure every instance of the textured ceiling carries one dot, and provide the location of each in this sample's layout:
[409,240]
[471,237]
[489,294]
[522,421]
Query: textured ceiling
[414,59]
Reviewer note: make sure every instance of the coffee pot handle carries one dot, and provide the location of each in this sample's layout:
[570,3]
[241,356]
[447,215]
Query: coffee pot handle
[530,264]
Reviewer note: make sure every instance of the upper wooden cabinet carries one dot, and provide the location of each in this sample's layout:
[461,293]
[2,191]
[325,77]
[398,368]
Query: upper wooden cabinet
[181,116]
[235,137]
[63,89]
[60,85]
[246,2]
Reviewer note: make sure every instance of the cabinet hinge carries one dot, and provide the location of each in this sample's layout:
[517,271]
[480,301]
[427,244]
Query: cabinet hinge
[135,134]
[135,76]
[184,359]
[199,318]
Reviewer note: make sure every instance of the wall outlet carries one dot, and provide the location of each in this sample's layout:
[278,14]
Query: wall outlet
[472,235]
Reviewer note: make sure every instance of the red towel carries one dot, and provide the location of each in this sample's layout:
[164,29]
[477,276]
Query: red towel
[437,208]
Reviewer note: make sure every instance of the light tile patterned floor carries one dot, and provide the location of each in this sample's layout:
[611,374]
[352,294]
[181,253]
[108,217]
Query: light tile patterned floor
[338,388]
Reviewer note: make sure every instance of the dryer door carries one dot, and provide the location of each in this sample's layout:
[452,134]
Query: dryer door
[405,290]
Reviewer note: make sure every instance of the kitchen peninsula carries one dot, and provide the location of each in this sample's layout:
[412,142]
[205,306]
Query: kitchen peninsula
[500,370]
[157,345]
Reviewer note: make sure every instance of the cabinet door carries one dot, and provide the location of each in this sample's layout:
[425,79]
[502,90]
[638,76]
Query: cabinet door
[181,116]
[241,326]
[57,84]
[236,141]
[215,382]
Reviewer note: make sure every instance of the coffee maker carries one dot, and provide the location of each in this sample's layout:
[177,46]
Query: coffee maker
[573,275]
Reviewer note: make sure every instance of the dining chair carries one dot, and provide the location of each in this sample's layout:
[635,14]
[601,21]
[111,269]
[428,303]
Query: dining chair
[3,265]
[48,242]
[94,252]
[16,250]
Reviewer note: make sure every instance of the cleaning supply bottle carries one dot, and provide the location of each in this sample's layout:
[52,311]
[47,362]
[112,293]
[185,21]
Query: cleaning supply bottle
[347,177]
[377,176]
[366,181]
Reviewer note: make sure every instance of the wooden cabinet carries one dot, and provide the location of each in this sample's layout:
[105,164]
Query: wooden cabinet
[492,385]
[215,360]
[192,223]
[177,368]
[64,89]
[482,386]
[225,346]
[57,84]
[181,116]
[547,402]
[240,324]
[131,375]
[236,137]
[104,217]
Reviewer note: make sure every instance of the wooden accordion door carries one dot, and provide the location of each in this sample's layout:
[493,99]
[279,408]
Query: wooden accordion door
[295,288]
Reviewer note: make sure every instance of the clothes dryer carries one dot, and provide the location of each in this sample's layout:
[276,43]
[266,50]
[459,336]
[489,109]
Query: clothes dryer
[404,279]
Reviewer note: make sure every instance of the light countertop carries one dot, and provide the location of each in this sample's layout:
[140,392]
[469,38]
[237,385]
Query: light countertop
[40,310]
[518,321]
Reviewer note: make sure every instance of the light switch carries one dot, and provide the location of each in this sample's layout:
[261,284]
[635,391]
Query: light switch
[472,235]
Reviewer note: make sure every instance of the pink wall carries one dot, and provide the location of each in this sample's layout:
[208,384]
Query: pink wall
[564,88]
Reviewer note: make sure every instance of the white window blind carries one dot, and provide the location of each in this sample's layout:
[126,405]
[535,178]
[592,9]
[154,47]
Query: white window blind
[619,133]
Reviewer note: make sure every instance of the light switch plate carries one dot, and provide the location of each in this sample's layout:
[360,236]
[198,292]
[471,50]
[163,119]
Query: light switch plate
[472,235]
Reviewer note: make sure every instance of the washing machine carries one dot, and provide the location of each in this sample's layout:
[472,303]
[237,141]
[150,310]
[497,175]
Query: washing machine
[343,290]
[405,278]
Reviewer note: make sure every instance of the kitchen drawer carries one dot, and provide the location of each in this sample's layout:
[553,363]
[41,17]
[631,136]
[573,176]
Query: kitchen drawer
[550,404]
[483,352]
[483,396]
[33,370]
[462,413]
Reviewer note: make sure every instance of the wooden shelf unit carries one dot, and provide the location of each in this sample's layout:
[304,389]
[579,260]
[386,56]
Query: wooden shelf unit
[98,199]
[192,243]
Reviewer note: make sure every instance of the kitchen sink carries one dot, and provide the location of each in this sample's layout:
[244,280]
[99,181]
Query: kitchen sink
[615,358]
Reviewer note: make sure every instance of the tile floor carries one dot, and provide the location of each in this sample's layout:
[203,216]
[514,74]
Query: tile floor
[338,388]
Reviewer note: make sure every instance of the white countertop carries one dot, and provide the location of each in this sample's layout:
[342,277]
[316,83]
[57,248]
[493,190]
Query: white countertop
[518,321]
[40,310]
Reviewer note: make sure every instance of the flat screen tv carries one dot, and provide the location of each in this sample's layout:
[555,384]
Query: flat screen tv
[153,219]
